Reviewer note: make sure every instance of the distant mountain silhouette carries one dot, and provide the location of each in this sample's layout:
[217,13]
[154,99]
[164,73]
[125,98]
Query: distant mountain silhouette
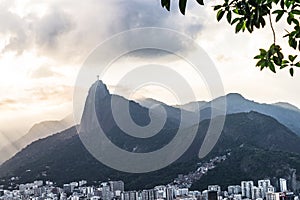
[285,113]
[38,131]
[287,106]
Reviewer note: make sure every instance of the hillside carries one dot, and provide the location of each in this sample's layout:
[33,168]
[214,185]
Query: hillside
[250,163]
[63,158]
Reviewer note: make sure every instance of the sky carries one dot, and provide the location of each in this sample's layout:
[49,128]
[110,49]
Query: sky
[45,43]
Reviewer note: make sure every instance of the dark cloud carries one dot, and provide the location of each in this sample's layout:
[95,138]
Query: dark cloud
[50,27]
[138,14]
[31,31]
[71,29]
[13,25]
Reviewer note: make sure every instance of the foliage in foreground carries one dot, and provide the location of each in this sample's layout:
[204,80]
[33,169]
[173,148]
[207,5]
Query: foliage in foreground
[248,15]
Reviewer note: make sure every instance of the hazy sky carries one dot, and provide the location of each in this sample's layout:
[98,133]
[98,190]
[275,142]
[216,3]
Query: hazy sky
[44,43]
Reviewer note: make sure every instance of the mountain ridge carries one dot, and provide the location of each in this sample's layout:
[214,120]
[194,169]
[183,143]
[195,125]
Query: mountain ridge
[63,158]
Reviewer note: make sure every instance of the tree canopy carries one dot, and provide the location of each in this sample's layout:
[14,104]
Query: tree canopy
[248,15]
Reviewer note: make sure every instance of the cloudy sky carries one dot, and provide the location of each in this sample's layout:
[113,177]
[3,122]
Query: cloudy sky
[44,44]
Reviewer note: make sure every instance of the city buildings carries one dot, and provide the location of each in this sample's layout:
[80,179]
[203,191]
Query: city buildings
[247,187]
[283,185]
[114,190]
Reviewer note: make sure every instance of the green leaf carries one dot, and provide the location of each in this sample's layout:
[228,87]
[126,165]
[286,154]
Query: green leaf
[263,22]
[249,26]
[280,55]
[293,43]
[200,2]
[229,17]
[276,11]
[235,20]
[261,62]
[239,26]
[258,57]
[277,61]
[263,52]
[292,58]
[288,3]
[292,71]
[182,6]
[283,66]
[217,7]
[244,26]
[220,14]
[165,4]
[295,21]
[285,62]
[282,4]
[279,15]
[271,67]
[297,64]
[295,12]
[269,3]
[236,11]
[290,18]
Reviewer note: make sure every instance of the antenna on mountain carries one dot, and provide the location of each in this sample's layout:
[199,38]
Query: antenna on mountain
[98,77]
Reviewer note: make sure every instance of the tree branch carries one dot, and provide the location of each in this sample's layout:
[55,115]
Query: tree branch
[271,24]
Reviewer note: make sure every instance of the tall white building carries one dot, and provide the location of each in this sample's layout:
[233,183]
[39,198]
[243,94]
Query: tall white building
[264,184]
[230,189]
[116,185]
[160,192]
[283,185]
[147,195]
[273,196]
[257,192]
[106,193]
[214,188]
[247,189]
[234,189]
[270,189]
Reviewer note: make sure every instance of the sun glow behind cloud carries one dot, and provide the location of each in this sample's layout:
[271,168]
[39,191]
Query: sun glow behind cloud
[30,92]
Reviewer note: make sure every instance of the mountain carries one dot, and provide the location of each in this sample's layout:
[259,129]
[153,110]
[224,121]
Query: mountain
[149,102]
[38,131]
[188,110]
[285,113]
[290,118]
[287,106]
[192,105]
[63,158]
[250,163]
